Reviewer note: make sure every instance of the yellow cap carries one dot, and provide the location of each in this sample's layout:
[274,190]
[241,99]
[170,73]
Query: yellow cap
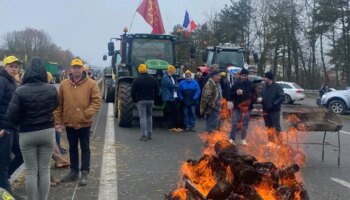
[49,77]
[10,59]
[171,69]
[142,68]
[77,61]
[188,72]
[222,73]
[86,68]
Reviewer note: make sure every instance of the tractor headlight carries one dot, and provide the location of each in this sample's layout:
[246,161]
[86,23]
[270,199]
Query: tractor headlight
[151,71]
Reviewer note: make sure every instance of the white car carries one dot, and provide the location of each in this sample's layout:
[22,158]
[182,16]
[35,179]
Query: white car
[292,92]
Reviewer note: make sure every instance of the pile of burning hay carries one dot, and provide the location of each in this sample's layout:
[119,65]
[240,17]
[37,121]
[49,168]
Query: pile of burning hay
[230,174]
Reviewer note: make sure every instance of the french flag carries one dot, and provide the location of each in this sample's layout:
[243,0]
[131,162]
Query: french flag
[189,25]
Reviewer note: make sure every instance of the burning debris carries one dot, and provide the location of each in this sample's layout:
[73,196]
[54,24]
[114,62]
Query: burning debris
[227,173]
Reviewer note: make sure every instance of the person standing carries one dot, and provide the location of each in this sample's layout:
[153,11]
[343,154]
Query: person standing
[169,87]
[189,92]
[225,86]
[31,109]
[272,97]
[79,100]
[7,131]
[144,90]
[242,93]
[210,105]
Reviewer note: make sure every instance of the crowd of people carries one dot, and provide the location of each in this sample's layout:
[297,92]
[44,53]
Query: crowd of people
[32,114]
[187,98]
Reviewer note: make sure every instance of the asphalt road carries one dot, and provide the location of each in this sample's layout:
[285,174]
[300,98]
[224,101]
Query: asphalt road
[135,170]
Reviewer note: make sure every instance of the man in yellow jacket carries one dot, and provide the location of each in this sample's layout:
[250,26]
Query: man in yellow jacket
[80,99]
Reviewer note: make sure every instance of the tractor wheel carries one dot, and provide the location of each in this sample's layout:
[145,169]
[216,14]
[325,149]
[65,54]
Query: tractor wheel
[109,91]
[125,105]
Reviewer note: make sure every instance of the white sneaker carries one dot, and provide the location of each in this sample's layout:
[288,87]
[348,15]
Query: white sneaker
[232,142]
[244,142]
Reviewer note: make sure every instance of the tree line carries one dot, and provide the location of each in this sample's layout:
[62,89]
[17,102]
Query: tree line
[31,42]
[304,41]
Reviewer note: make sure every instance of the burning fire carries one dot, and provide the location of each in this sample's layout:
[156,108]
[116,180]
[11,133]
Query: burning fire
[276,167]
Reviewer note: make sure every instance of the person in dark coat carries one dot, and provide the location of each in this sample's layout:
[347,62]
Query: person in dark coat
[169,87]
[31,109]
[272,97]
[189,93]
[7,131]
[242,94]
[225,86]
[144,90]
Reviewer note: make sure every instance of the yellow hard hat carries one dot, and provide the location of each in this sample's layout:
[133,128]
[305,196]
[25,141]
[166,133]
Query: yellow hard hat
[223,74]
[86,68]
[49,77]
[10,59]
[77,62]
[171,69]
[142,68]
[188,72]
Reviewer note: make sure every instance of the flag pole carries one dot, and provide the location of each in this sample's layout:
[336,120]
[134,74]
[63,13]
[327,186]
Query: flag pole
[133,18]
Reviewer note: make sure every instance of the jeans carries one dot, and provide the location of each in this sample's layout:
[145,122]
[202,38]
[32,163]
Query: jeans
[237,116]
[212,121]
[272,122]
[16,150]
[189,116]
[74,136]
[145,113]
[37,148]
[5,160]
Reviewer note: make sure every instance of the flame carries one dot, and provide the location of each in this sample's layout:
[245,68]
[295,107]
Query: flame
[180,193]
[266,192]
[200,174]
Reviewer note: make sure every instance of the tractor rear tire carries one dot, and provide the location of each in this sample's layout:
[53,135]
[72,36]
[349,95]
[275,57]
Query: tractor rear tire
[109,92]
[125,105]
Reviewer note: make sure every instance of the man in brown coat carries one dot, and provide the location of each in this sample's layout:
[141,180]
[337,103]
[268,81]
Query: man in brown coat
[80,99]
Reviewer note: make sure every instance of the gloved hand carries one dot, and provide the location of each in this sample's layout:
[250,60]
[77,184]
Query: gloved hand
[229,105]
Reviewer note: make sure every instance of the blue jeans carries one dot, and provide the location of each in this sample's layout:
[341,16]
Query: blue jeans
[145,113]
[190,116]
[213,121]
[237,116]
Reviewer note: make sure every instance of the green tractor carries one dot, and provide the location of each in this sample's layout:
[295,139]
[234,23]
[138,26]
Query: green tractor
[156,51]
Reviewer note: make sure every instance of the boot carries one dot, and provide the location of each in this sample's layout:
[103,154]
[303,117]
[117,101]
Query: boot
[71,176]
[84,178]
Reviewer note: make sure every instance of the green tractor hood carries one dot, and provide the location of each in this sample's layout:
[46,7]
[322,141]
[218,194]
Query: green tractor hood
[157,64]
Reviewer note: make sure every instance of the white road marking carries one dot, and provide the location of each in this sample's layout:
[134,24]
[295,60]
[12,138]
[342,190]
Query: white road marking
[342,182]
[108,178]
[346,132]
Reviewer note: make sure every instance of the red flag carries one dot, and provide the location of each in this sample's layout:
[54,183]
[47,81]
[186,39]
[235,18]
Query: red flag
[149,10]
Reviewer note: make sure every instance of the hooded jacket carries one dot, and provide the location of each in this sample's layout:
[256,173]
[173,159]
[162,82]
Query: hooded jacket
[32,105]
[211,97]
[144,87]
[189,92]
[7,88]
[78,102]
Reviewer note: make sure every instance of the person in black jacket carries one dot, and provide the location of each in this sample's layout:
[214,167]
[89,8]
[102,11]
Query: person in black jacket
[7,131]
[242,93]
[144,90]
[272,97]
[31,109]
[225,86]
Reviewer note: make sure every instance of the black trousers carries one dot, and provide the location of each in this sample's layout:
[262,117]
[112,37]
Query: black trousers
[172,114]
[272,122]
[75,136]
[16,150]
[5,160]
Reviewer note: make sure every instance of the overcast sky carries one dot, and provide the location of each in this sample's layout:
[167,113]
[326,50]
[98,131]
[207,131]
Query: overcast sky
[85,26]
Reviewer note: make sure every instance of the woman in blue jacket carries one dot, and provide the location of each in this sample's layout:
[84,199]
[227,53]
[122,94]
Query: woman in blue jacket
[189,92]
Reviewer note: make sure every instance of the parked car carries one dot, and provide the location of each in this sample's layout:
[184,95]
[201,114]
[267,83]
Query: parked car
[337,101]
[292,92]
